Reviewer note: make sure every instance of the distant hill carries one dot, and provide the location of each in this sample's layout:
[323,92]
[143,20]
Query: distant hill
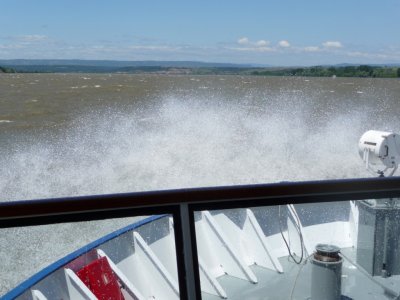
[155,63]
[116,66]
[118,63]
[194,68]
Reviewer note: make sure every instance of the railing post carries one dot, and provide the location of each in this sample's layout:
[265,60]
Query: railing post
[186,233]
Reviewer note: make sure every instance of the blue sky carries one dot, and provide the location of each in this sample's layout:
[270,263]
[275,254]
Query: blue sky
[307,32]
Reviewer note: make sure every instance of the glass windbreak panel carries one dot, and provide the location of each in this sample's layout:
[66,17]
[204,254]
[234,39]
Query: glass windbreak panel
[336,250]
[130,258]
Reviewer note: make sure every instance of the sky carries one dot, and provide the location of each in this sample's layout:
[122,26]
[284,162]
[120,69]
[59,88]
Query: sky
[265,32]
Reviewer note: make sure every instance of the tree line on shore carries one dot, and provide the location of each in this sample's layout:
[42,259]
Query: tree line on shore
[317,71]
[6,70]
[332,71]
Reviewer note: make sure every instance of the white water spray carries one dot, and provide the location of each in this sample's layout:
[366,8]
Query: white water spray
[184,144]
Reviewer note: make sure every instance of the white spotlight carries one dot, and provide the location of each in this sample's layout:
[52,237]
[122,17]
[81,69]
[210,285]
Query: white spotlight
[380,148]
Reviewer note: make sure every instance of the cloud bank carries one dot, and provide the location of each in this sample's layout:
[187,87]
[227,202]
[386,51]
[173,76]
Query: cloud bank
[242,50]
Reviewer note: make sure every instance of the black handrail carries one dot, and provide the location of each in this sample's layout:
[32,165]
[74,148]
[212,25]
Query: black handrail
[184,202]
[84,208]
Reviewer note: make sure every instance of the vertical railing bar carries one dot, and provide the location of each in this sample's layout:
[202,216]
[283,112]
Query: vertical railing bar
[195,256]
[189,289]
[178,236]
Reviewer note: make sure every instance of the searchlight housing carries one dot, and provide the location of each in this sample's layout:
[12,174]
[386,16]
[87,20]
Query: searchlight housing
[378,148]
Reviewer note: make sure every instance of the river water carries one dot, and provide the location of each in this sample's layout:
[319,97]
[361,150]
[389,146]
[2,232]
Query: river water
[80,134]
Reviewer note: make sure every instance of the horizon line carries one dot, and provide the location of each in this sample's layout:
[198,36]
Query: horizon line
[253,65]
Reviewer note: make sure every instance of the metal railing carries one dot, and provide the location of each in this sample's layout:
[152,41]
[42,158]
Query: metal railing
[182,204]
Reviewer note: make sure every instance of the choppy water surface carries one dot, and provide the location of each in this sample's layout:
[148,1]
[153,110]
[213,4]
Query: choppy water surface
[79,134]
[83,134]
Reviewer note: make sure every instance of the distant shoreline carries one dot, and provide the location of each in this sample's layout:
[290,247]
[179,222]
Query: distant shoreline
[362,71]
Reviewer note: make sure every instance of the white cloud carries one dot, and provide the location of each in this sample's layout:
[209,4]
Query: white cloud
[262,43]
[332,44]
[252,49]
[243,41]
[249,46]
[284,44]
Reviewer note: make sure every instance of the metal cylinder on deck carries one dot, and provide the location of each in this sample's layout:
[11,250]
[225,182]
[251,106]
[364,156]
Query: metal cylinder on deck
[326,279]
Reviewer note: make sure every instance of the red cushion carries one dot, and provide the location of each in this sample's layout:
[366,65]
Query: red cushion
[101,280]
